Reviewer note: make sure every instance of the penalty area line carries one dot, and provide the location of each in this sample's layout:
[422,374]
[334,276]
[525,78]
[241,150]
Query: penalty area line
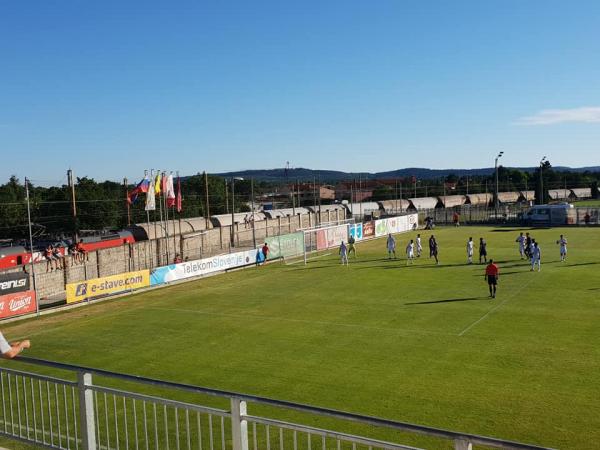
[482,318]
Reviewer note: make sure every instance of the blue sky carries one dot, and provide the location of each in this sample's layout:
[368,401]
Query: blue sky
[111,88]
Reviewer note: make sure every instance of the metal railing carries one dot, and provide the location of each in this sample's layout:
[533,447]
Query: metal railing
[57,413]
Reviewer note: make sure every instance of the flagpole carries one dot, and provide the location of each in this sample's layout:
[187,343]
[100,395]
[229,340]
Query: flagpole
[173,220]
[166,220]
[160,211]
[151,186]
[154,216]
[179,199]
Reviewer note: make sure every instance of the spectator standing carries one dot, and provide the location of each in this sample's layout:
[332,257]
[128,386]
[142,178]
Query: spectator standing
[10,350]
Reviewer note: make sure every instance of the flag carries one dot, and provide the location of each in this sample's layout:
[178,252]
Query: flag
[157,184]
[151,198]
[140,188]
[170,191]
[163,186]
[178,203]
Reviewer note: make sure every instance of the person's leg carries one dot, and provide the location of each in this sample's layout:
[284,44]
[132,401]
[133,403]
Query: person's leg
[490,288]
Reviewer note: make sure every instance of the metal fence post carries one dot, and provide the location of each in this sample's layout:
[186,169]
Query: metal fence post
[239,425]
[86,411]
[462,444]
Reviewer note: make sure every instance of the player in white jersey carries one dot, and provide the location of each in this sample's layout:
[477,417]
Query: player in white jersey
[521,240]
[470,251]
[410,252]
[343,253]
[563,248]
[419,246]
[536,256]
[391,246]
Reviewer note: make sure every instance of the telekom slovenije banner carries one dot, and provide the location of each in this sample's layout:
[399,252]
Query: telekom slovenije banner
[199,267]
[16,304]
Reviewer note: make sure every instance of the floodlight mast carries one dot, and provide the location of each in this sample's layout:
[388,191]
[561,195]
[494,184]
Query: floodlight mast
[542,180]
[496,170]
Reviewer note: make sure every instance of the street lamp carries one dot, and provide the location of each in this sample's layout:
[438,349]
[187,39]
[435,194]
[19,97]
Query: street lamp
[542,180]
[496,170]
[233,180]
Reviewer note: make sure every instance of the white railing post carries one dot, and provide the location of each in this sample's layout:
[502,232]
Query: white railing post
[462,444]
[239,425]
[86,411]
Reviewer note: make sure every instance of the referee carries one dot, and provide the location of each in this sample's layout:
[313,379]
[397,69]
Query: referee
[492,273]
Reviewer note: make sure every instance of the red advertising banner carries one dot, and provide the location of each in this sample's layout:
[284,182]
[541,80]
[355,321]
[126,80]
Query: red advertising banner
[321,240]
[16,304]
[368,229]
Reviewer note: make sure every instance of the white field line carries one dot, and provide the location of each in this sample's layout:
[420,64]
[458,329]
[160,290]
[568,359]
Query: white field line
[308,259]
[482,318]
[312,322]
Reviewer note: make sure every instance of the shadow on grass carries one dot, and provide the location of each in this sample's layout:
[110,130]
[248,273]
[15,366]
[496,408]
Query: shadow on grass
[450,300]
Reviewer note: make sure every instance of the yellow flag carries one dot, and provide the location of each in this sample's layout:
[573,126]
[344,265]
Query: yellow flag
[157,184]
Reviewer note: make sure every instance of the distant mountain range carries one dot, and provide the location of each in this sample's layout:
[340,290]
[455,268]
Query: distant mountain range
[332,176]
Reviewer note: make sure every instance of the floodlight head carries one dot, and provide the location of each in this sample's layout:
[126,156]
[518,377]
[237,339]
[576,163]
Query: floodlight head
[238,178]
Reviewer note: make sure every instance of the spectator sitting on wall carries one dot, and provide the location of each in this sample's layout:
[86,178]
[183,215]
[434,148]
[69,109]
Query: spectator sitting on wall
[177,259]
[58,258]
[73,252]
[11,350]
[82,252]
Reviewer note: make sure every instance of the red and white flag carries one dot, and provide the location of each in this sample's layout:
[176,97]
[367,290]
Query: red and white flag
[170,191]
[178,204]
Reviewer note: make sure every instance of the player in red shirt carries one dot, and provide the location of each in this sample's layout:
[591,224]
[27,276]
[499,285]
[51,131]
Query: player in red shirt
[265,252]
[492,273]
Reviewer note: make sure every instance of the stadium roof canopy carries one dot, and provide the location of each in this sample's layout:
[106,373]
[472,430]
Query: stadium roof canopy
[582,192]
[392,206]
[479,199]
[284,212]
[508,197]
[528,195]
[325,208]
[363,207]
[423,203]
[157,229]
[224,220]
[449,201]
[559,194]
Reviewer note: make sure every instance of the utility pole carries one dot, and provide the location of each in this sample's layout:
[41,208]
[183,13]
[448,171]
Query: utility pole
[207,210]
[125,185]
[37,303]
[72,186]
[226,198]
[232,211]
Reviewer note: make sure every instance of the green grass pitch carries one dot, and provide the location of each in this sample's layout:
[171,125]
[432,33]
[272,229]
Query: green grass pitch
[421,344]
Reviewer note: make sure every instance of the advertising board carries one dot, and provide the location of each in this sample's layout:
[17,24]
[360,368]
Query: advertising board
[368,229]
[286,245]
[14,282]
[199,267]
[97,287]
[356,231]
[17,303]
[336,235]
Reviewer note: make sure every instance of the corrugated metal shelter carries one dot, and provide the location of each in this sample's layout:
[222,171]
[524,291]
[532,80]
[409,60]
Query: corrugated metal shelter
[393,206]
[284,212]
[508,197]
[581,193]
[450,201]
[559,194]
[423,203]
[156,230]
[224,220]
[366,208]
[479,199]
[527,196]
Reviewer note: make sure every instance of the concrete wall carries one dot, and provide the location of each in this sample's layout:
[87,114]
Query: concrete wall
[50,285]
